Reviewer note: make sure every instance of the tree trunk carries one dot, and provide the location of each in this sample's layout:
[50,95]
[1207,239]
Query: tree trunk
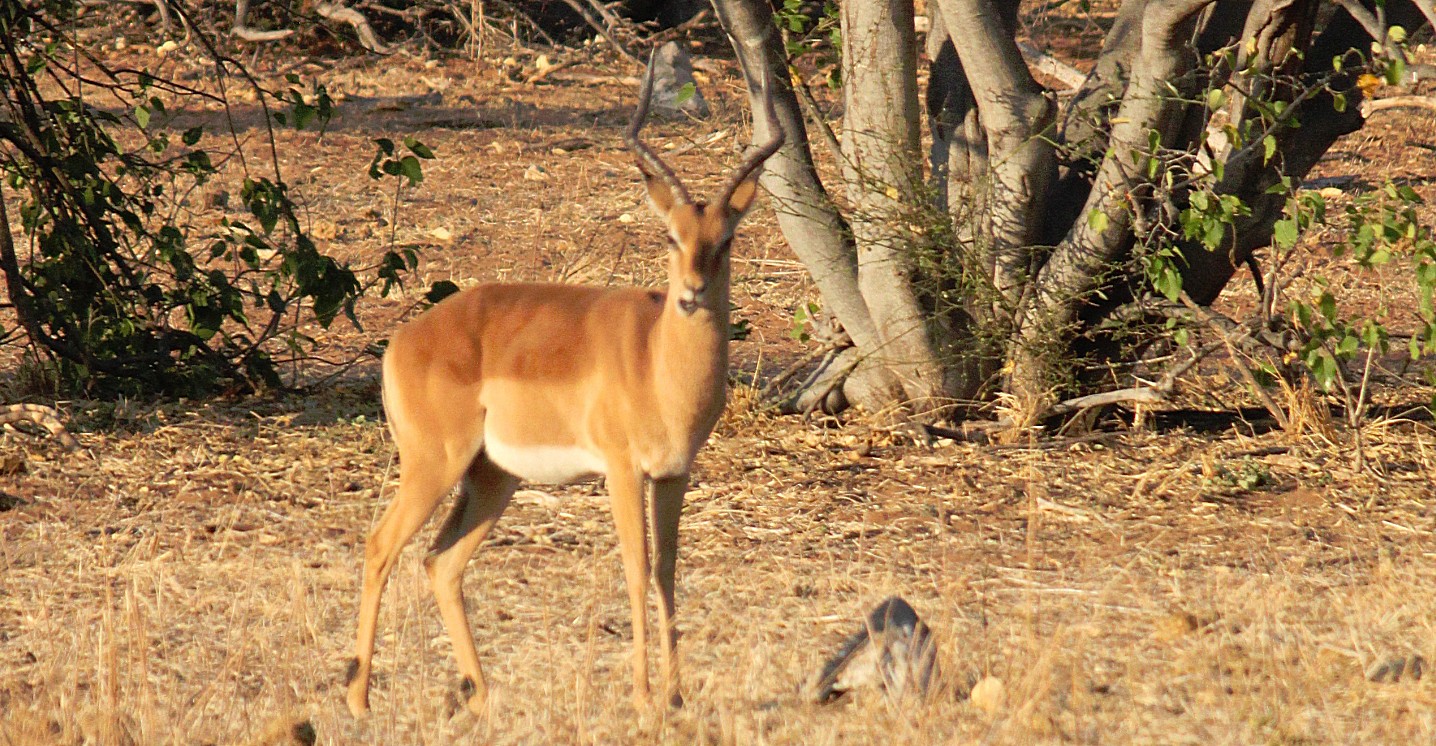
[806,215]
[882,168]
[1038,259]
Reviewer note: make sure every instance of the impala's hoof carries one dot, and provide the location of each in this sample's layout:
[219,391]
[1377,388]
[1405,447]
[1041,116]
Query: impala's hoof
[358,696]
[476,698]
[359,706]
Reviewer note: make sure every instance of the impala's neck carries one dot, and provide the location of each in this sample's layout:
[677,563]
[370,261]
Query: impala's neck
[691,354]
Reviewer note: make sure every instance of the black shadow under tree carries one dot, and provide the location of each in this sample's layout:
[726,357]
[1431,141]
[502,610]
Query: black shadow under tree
[114,287]
[1046,248]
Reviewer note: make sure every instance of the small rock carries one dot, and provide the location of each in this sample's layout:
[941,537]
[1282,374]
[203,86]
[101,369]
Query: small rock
[324,230]
[1176,625]
[625,218]
[1330,192]
[442,234]
[989,694]
[672,72]
[535,173]
[164,49]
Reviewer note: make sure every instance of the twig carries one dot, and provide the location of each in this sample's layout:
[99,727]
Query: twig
[792,370]
[338,12]
[1051,66]
[1250,378]
[1371,106]
[830,139]
[602,28]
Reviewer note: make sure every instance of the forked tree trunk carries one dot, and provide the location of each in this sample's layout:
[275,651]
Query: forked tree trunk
[1044,210]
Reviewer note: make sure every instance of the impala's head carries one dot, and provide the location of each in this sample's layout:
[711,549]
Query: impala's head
[699,232]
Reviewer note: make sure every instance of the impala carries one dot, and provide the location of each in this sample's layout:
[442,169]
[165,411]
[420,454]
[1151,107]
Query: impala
[554,383]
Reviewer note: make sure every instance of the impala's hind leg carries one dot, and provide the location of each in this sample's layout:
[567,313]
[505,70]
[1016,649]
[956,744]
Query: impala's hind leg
[485,493]
[424,479]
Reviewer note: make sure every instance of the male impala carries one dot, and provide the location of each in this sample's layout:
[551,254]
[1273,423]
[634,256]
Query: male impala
[552,383]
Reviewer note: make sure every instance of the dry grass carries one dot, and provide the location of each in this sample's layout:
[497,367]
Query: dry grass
[196,581]
[196,584]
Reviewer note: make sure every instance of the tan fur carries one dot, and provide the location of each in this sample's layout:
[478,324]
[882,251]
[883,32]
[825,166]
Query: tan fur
[626,380]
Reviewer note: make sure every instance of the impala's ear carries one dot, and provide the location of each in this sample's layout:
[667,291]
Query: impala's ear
[660,195]
[742,197]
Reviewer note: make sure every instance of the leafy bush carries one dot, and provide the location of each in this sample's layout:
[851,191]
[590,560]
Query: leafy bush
[120,293]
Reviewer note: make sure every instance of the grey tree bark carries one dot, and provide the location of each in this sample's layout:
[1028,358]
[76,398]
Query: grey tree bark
[1045,210]
[882,167]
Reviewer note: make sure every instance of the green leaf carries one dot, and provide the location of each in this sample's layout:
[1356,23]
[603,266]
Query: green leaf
[411,168]
[685,93]
[1284,233]
[440,290]
[1215,98]
[418,148]
[1097,220]
[1269,146]
[142,116]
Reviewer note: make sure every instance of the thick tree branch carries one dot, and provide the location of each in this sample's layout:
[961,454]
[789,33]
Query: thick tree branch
[338,12]
[1017,115]
[806,215]
[882,168]
[1078,264]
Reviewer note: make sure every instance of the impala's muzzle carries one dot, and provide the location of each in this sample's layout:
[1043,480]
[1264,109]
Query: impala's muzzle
[691,299]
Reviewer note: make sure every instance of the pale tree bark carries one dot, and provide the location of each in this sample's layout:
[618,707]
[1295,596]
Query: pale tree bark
[882,167]
[1044,212]
[1017,116]
[1077,264]
[819,235]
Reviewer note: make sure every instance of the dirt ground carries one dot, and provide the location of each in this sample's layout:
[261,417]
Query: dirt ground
[1200,580]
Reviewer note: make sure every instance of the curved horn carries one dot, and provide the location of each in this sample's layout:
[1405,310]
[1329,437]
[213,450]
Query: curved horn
[763,152]
[648,161]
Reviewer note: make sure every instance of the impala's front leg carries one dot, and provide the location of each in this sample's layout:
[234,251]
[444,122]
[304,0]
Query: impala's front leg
[667,506]
[625,490]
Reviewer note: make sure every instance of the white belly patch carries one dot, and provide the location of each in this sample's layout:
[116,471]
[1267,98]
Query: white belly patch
[544,464]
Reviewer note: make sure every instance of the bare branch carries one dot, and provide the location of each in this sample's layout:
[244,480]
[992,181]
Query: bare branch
[1135,395]
[1428,9]
[1246,372]
[1371,106]
[604,29]
[39,414]
[241,29]
[1364,17]
[338,12]
[1053,67]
